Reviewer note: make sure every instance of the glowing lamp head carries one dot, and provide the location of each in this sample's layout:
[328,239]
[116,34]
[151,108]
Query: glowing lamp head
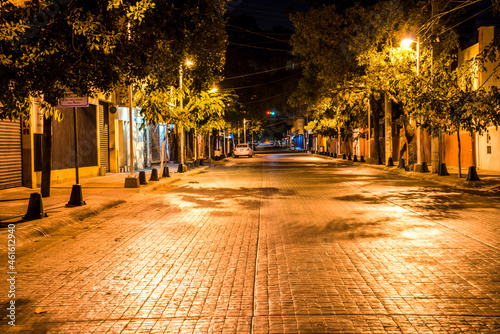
[406,43]
[189,63]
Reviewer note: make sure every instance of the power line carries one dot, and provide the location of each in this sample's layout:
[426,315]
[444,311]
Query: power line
[268,98]
[267,83]
[256,33]
[259,47]
[456,25]
[260,11]
[266,71]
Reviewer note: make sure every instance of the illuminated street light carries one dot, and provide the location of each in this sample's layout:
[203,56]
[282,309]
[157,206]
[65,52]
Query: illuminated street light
[406,43]
[213,90]
[188,64]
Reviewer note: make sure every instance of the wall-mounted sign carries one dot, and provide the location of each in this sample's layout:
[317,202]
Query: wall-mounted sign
[37,116]
[72,100]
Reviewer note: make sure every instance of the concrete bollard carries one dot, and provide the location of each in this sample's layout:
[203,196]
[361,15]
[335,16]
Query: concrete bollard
[401,163]
[142,178]
[35,207]
[154,175]
[443,171]
[166,172]
[76,197]
[424,168]
[472,176]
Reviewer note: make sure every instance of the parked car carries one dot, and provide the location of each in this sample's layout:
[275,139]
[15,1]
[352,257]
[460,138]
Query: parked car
[243,149]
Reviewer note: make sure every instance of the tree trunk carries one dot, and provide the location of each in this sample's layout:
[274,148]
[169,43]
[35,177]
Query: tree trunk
[459,153]
[473,151]
[46,156]
[405,134]
[162,148]
[376,126]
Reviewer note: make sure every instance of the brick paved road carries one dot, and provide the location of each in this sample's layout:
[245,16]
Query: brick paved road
[280,244]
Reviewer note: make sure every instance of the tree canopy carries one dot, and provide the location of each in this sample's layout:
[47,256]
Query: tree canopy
[50,46]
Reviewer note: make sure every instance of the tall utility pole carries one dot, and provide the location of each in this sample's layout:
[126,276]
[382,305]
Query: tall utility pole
[244,130]
[436,143]
[181,130]
[388,128]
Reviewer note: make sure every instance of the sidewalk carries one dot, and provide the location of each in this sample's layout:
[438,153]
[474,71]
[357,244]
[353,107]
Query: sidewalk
[489,180]
[99,193]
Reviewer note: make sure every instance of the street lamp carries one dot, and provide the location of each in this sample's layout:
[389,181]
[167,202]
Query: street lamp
[244,130]
[188,64]
[406,43]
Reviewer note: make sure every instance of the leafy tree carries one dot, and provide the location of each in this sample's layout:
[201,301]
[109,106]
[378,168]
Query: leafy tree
[348,60]
[50,46]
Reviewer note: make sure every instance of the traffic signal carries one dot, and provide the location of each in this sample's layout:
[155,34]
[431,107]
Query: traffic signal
[271,113]
[268,112]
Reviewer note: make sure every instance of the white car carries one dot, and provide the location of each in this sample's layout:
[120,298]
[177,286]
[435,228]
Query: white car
[243,149]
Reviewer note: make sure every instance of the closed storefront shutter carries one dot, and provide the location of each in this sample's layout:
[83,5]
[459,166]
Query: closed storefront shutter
[103,136]
[11,167]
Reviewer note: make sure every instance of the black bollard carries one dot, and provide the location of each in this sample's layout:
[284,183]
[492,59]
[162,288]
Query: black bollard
[35,207]
[154,175]
[349,157]
[335,155]
[442,170]
[344,156]
[142,178]
[355,158]
[472,176]
[361,159]
[379,160]
[180,169]
[76,197]
[424,169]
[390,162]
[401,163]
[166,171]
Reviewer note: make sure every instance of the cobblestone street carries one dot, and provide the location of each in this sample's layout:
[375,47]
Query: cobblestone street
[271,244]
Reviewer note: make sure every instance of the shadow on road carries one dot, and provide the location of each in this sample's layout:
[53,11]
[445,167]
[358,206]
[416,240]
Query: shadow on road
[213,197]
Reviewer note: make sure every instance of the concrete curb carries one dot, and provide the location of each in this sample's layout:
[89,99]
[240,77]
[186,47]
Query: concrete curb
[41,228]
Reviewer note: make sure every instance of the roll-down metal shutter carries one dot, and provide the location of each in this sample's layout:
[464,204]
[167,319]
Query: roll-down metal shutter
[11,162]
[103,136]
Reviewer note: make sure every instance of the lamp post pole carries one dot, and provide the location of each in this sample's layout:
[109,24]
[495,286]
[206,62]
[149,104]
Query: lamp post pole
[131,129]
[181,130]
[244,130]
[419,154]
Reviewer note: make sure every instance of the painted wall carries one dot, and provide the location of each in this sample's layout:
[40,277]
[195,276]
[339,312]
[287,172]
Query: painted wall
[489,150]
[450,150]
